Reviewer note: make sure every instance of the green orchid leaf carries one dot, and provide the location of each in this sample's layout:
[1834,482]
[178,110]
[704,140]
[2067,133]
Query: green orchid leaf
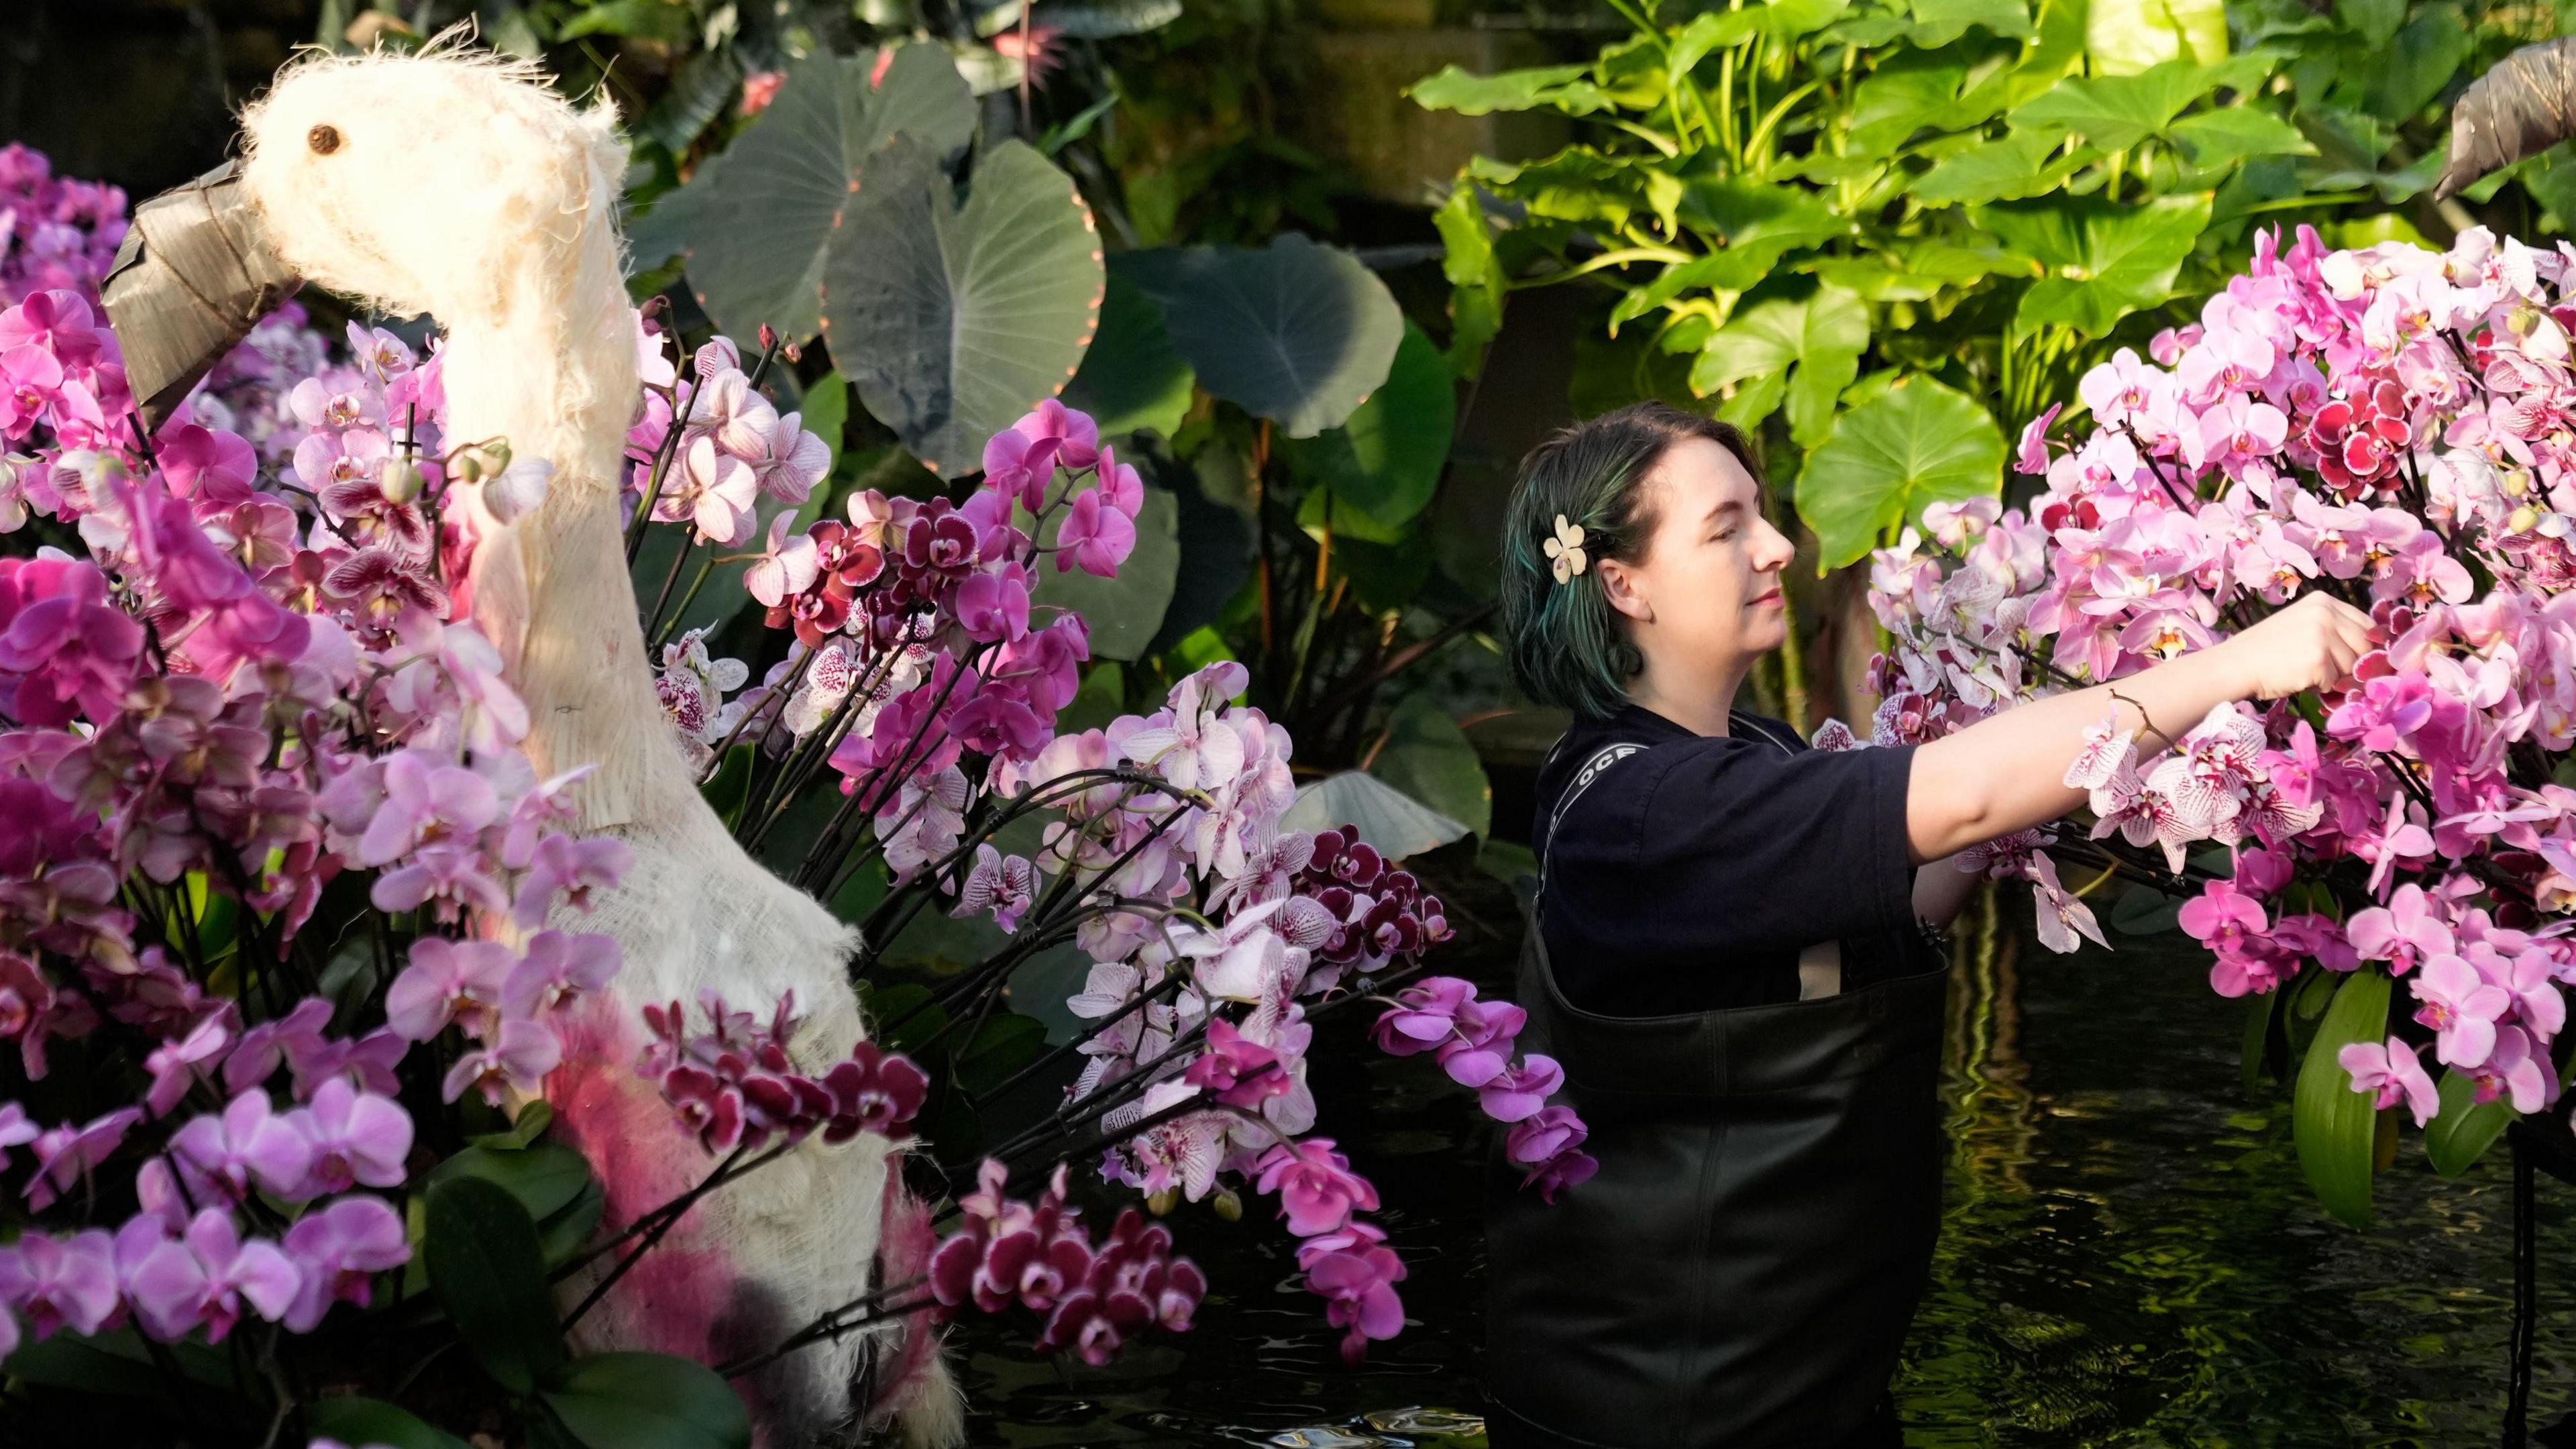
[2466,1128]
[2335,1128]
[1916,443]
[649,1401]
[952,321]
[354,1420]
[489,1272]
[1295,331]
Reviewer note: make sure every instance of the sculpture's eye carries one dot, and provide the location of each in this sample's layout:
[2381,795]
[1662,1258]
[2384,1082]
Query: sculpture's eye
[323,139]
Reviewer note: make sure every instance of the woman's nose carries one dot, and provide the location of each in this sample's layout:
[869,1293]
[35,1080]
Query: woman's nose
[1775,550]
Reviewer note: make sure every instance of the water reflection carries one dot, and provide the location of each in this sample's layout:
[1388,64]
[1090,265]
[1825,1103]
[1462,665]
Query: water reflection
[2129,1257]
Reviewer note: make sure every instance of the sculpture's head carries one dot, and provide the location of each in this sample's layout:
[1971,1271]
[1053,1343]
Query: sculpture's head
[447,182]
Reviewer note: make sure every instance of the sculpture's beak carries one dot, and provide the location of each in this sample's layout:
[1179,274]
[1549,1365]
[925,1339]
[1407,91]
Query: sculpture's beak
[194,274]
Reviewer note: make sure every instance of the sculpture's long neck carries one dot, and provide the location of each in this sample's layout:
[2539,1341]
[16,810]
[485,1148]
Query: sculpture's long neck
[554,372]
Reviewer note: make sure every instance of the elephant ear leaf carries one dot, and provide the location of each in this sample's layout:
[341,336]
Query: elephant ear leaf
[1295,332]
[796,171]
[953,321]
[1918,442]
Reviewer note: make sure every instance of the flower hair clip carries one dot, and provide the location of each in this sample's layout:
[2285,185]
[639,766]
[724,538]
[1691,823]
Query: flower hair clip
[1565,550]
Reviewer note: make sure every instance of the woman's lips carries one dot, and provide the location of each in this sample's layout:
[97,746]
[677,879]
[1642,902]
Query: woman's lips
[1768,596]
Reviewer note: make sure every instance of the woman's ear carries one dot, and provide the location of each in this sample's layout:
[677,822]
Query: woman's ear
[1620,586]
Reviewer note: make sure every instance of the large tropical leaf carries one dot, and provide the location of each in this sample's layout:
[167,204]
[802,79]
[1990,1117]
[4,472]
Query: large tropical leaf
[1395,823]
[1428,757]
[1124,612]
[2336,1128]
[1295,332]
[2117,111]
[953,321]
[1938,22]
[1385,459]
[757,224]
[2104,260]
[1131,376]
[2018,165]
[1813,344]
[353,1420]
[1918,442]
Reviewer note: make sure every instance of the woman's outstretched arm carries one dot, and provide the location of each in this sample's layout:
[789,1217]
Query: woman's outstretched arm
[2007,772]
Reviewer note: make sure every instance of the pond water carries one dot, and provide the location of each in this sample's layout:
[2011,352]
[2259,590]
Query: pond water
[2130,1256]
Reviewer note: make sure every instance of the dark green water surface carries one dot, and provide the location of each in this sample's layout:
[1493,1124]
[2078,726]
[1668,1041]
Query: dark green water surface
[2129,1256]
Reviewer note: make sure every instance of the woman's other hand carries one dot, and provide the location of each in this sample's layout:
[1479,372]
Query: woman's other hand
[2312,644]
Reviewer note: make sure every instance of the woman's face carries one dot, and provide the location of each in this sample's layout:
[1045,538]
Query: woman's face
[1705,598]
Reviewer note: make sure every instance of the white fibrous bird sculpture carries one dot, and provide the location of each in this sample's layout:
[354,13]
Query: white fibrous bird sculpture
[463,187]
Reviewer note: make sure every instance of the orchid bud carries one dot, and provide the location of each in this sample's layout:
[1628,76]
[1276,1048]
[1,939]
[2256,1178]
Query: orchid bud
[1228,1206]
[2516,482]
[401,481]
[2522,520]
[768,337]
[1159,1202]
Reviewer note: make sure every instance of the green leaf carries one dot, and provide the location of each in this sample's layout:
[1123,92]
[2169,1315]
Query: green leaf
[1938,22]
[649,1401]
[1385,460]
[1555,87]
[524,1129]
[2125,37]
[2376,21]
[731,785]
[2236,133]
[2335,1127]
[658,20]
[1006,1042]
[2466,1128]
[1108,19]
[2414,70]
[2104,260]
[1123,613]
[1391,821]
[1918,442]
[2115,112]
[1815,342]
[954,321]
[1296,332]
[1131,376]
[1914,91]
[542,1178]
[1476,278]
[1429,758]
[1708,32]
[1790,19]
[797,169]
[489,1273]
[369,1422]
[2142,910]
[825,412]
[2018,165]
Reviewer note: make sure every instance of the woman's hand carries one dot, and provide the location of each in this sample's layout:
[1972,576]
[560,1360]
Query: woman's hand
[2312,644]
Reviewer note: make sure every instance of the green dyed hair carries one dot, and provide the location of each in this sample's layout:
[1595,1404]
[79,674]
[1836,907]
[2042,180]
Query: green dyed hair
[1568,646]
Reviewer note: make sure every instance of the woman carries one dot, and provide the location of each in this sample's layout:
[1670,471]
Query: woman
[1734,959]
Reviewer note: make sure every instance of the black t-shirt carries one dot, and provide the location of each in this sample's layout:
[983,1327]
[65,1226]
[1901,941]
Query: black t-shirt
[1689,875]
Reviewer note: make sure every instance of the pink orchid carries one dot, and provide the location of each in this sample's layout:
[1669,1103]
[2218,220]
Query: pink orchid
[2462,1007]
[2391,1072]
